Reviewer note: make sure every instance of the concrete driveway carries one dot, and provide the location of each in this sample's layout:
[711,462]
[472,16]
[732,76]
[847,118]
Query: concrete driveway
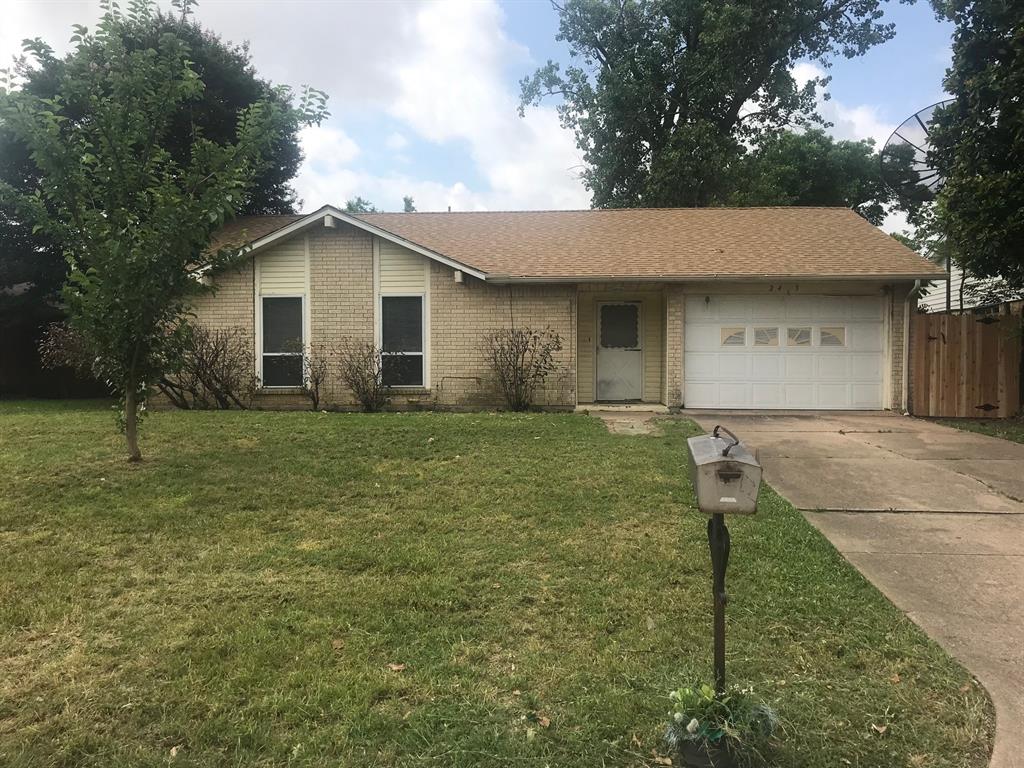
[931,515]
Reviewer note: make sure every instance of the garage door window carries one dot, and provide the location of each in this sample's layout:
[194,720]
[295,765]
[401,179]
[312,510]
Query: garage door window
[798,337]
[734,337]
[833,337]
[766,337]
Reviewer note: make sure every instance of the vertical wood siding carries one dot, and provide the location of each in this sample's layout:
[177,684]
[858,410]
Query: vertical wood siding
[966,365]
[401,270]
[282,269]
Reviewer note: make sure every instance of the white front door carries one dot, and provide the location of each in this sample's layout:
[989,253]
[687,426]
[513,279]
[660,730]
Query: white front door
[620,355]
[784,352]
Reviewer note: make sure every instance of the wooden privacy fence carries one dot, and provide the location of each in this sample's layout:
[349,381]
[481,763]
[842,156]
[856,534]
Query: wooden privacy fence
[966,365]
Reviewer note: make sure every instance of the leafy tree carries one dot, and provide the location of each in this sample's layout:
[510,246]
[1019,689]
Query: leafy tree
[978,139]
[812,168]
[32,264]
[408,206]
[664,95]
[359,205]
[134,221]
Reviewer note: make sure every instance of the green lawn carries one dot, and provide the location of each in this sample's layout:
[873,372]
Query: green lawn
[1008,429]
[421,590]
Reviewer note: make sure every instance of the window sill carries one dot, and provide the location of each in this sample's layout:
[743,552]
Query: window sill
[280,391]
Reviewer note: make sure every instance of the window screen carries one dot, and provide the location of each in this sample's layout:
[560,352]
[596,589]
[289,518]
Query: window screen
[833,337]
[798,337]
[620,326]
[282,341]
[401,330]
[402,324]
[734,337]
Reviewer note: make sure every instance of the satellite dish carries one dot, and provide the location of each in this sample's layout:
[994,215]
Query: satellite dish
[906,167]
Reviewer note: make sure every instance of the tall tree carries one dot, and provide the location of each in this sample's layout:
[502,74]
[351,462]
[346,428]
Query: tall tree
[408,204]
[133,219]
[978,140]
[812,168]
[358,204]
[664,94]
[32,265]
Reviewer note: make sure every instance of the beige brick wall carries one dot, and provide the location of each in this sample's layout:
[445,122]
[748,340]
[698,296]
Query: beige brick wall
[897,324]
[342,306]
[462,314]
[675,303]
[341,297]
[231,304]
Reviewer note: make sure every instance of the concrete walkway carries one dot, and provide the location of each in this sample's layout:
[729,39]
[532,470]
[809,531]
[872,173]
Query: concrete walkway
[931,515]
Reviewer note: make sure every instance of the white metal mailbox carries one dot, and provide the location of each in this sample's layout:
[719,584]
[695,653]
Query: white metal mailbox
[726,476]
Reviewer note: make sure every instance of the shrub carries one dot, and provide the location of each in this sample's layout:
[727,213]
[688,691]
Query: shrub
[734,726]
[521,359]
[61,346]
[214,369]
[315,372]
[361,369]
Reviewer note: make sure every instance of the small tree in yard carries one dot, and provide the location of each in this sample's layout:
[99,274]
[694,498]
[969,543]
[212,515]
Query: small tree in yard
[361,369]
[134,221]
[521,359]
[315,372]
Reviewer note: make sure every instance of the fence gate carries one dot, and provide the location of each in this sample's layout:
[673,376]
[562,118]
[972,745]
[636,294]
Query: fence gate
[966,365]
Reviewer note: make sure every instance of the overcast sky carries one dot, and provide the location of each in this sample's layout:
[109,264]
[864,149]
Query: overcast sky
[423,95]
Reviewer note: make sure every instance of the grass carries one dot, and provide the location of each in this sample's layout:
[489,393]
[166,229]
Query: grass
[309,589]
[1008,429]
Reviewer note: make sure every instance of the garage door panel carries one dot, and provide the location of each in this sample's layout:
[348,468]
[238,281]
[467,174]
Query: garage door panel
[832,366]
[833,395]
[865,308]
[705,394]
[767,395]
[847,371]
[801,308]
[866,368]
[798,395]
[864,337]
[703,338]
[734,366]
[729,308]
[702,365]
[866,395]
[768,367]
[734,395]
[798,366]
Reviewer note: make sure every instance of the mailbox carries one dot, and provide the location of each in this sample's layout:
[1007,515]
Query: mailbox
[725,475]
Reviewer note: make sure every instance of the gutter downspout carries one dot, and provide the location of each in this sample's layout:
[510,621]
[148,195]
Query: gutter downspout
[906,346]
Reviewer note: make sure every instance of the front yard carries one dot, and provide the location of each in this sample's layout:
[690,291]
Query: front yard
[421,589]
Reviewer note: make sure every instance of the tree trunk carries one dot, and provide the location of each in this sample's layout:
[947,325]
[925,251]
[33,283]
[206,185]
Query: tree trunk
[131,423]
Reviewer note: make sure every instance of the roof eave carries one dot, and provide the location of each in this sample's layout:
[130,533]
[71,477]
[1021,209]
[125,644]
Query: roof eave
[695,278]
[329,210]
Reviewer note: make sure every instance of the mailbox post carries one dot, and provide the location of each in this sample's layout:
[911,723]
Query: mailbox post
[726,478]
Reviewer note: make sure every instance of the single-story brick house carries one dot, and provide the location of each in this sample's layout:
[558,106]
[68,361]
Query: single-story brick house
[706,308]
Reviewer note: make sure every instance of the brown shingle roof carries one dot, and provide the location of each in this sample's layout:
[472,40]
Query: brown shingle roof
[655,243]
[245,229]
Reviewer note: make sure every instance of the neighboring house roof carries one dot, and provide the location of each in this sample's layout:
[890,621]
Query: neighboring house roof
[646,243]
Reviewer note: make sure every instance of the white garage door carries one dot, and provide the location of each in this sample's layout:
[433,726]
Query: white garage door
[784,352]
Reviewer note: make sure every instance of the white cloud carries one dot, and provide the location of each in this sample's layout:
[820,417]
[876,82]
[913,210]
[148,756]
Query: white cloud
[861,121]
[396,142]
[452,88]
[449,87]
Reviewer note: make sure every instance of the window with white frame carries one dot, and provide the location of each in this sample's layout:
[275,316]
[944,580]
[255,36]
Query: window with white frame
[283,341]
[401,340]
